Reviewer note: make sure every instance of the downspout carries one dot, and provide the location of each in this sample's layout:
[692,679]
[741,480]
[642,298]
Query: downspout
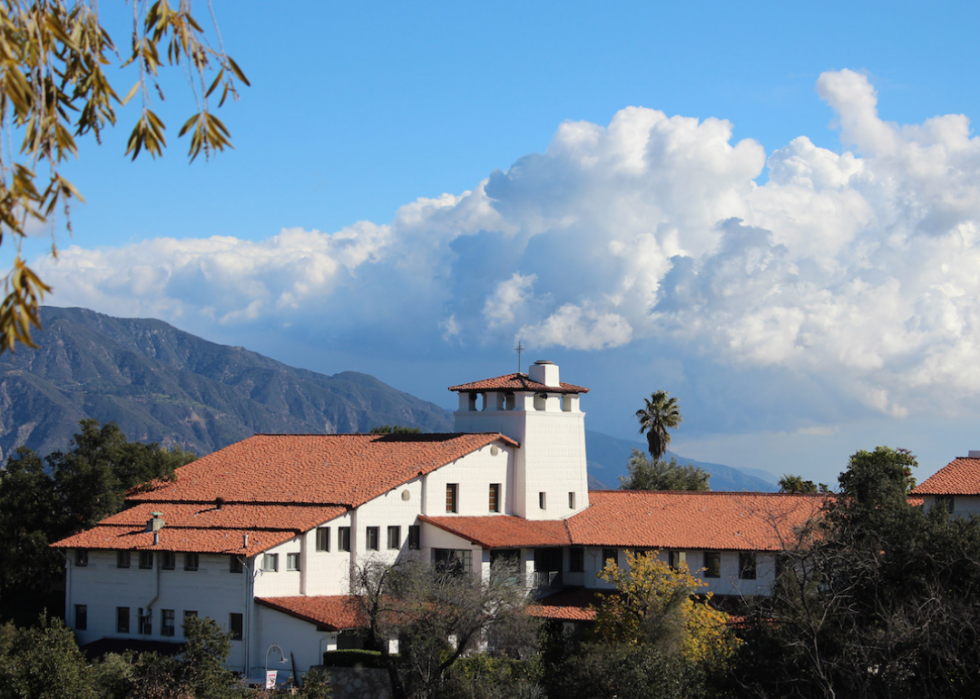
[156,595]
[68,569]
[249,591]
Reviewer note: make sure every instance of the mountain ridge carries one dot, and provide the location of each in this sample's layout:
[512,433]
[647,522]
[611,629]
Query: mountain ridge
[161,384]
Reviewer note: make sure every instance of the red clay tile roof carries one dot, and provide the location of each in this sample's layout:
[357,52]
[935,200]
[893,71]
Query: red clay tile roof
[961,476]
[341,469]
[200,528]
[174,539]
[515,382]
[567,605]
[503,531]
[337,612]
[691,520]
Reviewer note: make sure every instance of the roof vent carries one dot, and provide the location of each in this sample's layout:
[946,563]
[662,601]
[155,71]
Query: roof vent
[156,523]
[218,502]
[244,541]
[156,538]
[973,454]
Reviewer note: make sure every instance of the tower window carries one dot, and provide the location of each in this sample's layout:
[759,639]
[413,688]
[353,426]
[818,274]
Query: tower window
[571,500]
[543,501]
[452,489]
[495,497]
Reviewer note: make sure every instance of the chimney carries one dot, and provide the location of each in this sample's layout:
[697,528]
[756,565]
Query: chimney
[156,523]
[544,372]
[973,454]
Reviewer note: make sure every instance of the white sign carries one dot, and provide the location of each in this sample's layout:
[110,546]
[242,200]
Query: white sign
[270,678]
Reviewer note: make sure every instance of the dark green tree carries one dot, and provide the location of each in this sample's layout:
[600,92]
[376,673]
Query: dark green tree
[43,662]
[657,474]
[795,484]
[878,599]
[659,414]
[395,429]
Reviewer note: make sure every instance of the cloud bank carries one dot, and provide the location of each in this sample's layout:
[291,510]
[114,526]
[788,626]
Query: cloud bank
[859,270]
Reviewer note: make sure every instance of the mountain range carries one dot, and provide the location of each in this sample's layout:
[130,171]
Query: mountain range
[161,384]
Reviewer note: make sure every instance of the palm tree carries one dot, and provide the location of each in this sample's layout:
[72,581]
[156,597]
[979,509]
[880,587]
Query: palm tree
[660,414]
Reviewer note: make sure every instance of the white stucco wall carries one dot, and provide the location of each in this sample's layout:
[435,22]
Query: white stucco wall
[295,636]
[212,591]
[473,475]
[963,505]
[728,583]
[552,458]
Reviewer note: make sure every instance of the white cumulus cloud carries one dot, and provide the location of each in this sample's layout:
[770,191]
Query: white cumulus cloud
[857,270]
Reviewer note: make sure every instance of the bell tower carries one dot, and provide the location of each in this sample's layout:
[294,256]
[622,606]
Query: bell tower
[543,415]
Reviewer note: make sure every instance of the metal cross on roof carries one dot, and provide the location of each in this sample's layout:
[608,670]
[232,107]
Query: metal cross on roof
[519,349]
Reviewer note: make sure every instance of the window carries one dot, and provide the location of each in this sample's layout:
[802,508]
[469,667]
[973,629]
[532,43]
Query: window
[270,562]
[542,501]
[746,565]
[166,622]
[191,561]
[188,613]
[712,564]
[571,501]
[547,559]
[453,561]
[343,538]
[292,561]
[677,559]
[495,497]
[146,560]
[414,537]
[235,626]
[945,502]
[81,557]
[323,539]
[394,538]
[372,539]
[81,617]
[610,555]
[122,619]
[783,564]
[145,622]
[451,491]
[235,565]
[168,560]
[576,559]
[122,559]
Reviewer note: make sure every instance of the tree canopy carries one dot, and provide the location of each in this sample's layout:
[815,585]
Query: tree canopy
[657,474]
[659,414]
[879,598]
[424,606]
[54,89]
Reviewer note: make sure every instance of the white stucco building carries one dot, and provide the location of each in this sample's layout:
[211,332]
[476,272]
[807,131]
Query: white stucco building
[263,535]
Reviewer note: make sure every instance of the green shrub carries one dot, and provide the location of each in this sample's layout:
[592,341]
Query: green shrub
[353,658]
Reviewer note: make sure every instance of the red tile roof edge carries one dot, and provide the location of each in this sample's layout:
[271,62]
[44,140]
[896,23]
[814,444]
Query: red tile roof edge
[525,383]
[271,603]
[447,527]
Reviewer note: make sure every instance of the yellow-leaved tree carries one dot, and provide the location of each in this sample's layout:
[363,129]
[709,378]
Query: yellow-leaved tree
[54,88]
[669,607]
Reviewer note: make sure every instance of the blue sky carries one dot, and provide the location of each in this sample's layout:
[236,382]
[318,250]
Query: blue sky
[771,211]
